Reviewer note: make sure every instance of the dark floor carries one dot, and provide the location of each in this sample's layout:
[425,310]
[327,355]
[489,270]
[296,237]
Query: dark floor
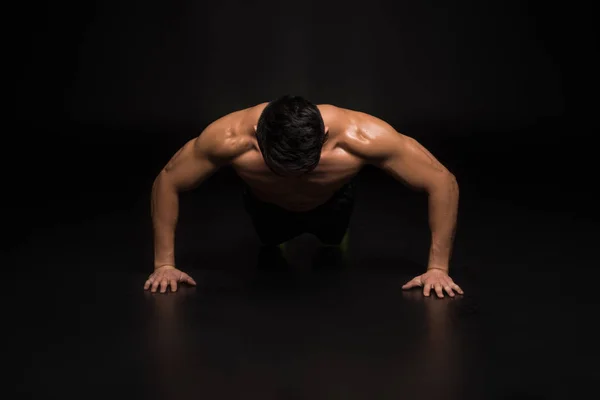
[322,326]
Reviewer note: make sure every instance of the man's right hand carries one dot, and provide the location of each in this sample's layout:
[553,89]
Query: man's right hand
[167,275]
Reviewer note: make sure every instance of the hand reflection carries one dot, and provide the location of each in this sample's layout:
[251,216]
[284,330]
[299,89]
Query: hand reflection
[167,341]
[439,350]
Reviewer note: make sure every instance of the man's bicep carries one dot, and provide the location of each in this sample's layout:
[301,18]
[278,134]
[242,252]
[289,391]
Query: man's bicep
[399,155]
[408,161]
[189,166]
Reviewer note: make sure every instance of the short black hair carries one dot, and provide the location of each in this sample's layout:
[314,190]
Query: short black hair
[290,134]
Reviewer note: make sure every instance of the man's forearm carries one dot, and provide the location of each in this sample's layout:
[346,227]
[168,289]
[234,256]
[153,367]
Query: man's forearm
[165,211]
[443,211]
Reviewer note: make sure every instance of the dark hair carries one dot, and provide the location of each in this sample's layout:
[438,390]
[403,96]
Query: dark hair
[290,135]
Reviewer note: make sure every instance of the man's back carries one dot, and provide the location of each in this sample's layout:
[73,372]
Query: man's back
[296,156]
[336,167]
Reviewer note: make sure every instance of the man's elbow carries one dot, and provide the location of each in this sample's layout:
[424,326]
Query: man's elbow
[163,182]
[452,181]
[453,185]
[445,184]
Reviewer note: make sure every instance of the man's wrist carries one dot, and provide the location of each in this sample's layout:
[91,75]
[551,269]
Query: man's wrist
[438,267]
[164,265]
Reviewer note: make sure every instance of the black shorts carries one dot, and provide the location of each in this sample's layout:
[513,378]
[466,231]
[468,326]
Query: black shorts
[328,222]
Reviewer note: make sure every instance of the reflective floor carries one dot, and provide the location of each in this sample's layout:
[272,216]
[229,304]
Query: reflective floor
[310,322]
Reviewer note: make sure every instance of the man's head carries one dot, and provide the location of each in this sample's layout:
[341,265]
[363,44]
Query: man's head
[290,134]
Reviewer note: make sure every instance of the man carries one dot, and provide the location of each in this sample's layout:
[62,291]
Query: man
[297,160]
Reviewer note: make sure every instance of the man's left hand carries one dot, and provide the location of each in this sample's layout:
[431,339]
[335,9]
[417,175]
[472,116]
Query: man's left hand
[434,279]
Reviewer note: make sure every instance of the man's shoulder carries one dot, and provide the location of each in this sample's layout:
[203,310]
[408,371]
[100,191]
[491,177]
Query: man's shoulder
[230,135]
[342,119]
[365,135]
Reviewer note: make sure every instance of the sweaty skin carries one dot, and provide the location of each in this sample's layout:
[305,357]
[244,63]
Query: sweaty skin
[355,139]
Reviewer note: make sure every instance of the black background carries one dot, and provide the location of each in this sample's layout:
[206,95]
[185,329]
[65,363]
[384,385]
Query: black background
[503,93]
[107,91]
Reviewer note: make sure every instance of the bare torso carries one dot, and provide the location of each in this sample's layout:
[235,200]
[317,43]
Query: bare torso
[336,167]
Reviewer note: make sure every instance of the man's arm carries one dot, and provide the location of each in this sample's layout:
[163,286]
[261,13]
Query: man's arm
[191,165]
[408,161]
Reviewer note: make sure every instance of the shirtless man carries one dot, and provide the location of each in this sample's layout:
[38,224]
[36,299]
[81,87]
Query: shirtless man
[297,160]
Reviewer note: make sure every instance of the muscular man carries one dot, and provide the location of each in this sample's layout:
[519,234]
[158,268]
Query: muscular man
[297,160]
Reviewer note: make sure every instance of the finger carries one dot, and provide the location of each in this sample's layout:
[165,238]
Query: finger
[439,291]
[187,279]
[155,284]
[457,288]
[449,290]
[426,290]
[163,285]
[147,284]
[416,282]
[173,283]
